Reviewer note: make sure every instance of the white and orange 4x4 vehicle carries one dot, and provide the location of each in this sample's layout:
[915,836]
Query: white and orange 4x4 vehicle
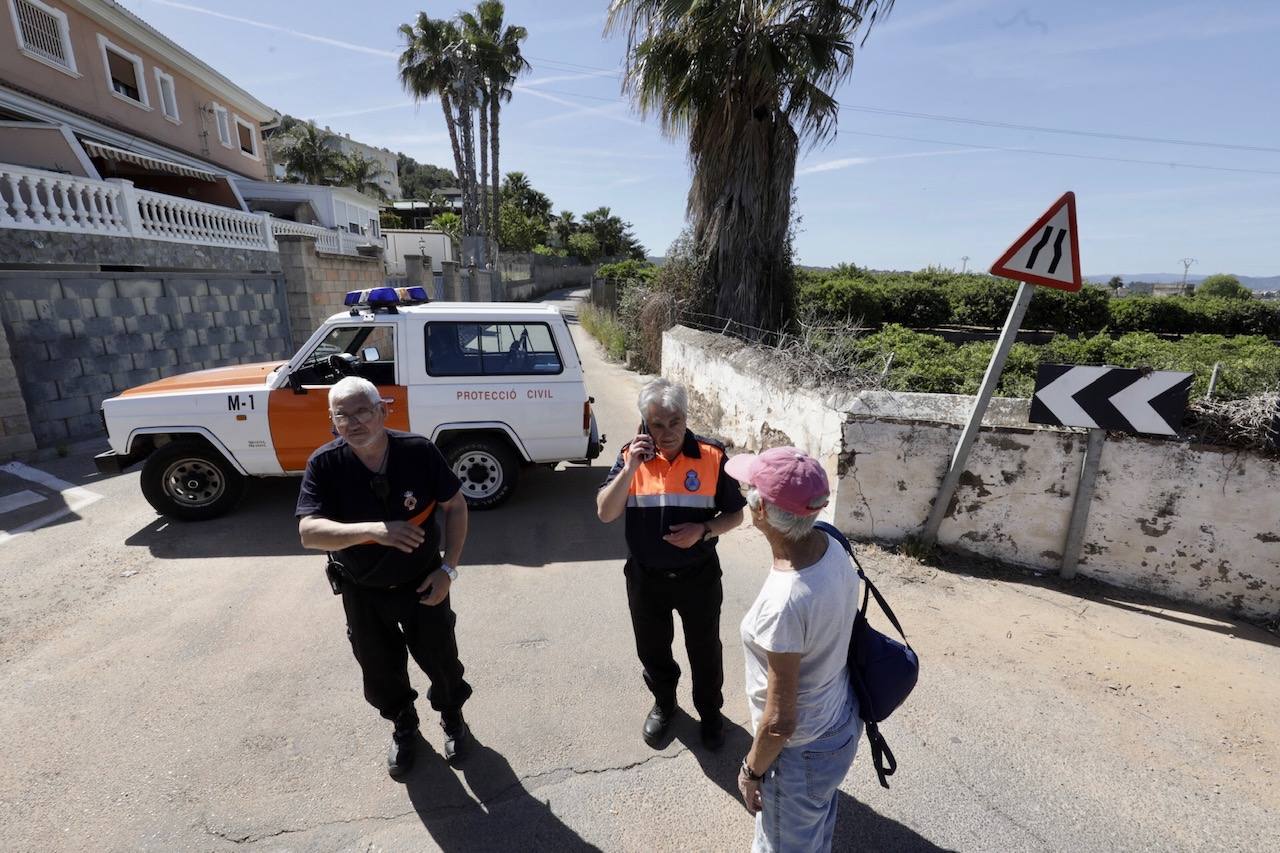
[496,385]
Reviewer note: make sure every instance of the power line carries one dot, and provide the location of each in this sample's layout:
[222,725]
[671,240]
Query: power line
[1096,134]
[979,122]
[1042,152]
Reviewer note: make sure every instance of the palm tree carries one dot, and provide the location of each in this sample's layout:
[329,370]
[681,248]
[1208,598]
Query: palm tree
[431,65]
[747,83]
[307,154]
[564,226]
[361,174]
[515,186]
[500,63]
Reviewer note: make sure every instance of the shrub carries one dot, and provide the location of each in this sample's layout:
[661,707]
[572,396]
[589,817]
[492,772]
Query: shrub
[843,299]
[1087,310]
[604,328]
[916,306]
[981,303]
[549,252]
[585,246]
[1223,287]
[1148,313]
[628,270]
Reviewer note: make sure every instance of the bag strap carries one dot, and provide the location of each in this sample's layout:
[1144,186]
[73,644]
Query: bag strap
[881,755]
[835,534]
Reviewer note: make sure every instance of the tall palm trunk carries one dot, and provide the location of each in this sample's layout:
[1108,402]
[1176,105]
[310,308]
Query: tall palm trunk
[466,116]
[493,142]
[485,200]
[741,209]
[446,104]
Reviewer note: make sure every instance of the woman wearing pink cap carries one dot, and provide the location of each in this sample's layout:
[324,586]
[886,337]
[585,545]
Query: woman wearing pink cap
[796,638]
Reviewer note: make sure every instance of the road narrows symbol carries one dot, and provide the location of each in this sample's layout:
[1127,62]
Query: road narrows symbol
[1035,253]
[1057,250]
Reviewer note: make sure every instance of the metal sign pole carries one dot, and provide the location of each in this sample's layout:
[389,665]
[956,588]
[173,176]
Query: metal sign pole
[1080,506]
[985,392]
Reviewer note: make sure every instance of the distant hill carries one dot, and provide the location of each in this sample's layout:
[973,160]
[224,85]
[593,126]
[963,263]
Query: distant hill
[1271,282]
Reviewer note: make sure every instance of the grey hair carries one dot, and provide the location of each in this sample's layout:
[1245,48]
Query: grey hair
[352,386]
[665,394]
[791,526]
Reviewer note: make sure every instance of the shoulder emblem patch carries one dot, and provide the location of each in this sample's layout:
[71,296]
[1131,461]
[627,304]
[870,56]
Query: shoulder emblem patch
[410,501]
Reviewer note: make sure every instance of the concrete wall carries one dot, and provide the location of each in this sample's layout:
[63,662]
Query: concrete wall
[77,338]
[1195,523]
[15,425]
[56,250]
[528,276]
[315,283]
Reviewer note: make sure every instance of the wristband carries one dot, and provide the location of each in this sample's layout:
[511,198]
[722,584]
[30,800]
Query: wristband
[746,771]
[450,571]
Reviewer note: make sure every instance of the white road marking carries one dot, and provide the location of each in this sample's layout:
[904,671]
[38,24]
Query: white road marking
[76,497]
[17,500]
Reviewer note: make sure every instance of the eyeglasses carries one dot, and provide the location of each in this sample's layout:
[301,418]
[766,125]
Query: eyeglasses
[364,414]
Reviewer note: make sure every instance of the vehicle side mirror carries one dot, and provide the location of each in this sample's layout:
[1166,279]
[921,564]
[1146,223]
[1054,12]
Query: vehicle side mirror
[369,354]
[296,384]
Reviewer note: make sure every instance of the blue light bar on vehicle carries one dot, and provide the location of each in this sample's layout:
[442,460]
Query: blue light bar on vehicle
[381,297]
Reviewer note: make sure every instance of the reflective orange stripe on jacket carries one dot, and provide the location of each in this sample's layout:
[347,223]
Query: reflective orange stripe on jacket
[683,482]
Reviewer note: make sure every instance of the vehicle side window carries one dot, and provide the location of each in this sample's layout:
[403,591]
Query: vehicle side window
[367,351]
[491,349]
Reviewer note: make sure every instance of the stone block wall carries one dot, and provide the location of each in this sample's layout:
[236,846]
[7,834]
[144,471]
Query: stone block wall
[316,283]
[15,425]
[59,250]
[77,338]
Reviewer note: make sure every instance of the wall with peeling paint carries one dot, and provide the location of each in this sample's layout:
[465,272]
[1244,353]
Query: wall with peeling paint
[1189,522]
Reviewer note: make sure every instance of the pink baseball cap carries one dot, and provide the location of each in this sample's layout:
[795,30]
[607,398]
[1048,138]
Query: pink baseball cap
[785,477]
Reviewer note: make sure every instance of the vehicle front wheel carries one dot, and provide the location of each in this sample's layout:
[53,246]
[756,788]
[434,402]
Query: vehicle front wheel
[487,468]
[191,481]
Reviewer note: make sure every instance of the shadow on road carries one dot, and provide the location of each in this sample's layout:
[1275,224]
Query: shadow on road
[1093,592]
[501,815]
[262,525]
[550,519]
[858,827]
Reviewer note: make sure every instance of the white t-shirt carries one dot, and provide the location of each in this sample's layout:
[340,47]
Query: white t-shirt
[811,612]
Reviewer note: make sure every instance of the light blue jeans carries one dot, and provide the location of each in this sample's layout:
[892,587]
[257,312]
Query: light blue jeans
[799,790]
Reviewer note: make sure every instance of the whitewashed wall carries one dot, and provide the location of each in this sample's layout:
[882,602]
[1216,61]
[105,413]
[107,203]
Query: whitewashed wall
[1192,523]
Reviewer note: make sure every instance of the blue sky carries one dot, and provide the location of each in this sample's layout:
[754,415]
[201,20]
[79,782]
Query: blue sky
[891,191]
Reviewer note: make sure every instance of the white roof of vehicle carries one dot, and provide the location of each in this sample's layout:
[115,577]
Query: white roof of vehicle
[468,311]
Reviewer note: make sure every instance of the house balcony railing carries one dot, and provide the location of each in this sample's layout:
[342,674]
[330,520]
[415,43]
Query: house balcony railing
[36,200]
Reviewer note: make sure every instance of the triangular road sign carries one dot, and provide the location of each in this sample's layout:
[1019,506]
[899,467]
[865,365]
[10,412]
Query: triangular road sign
[1049,252]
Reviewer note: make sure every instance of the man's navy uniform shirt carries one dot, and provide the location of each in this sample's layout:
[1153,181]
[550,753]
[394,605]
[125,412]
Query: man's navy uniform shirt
[693,487]
[339,487]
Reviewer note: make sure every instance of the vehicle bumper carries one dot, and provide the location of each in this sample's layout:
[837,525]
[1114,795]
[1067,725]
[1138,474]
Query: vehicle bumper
[114,463]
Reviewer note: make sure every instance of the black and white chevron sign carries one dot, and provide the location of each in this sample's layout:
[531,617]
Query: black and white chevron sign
[1115,398]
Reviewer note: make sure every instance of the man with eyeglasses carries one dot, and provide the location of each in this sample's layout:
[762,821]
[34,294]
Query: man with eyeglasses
[369,498]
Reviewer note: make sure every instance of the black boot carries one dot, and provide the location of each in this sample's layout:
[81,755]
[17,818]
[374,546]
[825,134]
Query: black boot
[656,724]
[713,731]
[404,741]
[457,735]
[401,753]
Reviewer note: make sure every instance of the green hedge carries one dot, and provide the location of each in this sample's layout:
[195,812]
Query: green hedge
[927,363]
[933,298]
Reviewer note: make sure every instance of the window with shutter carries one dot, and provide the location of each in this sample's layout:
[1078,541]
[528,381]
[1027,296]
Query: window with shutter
[43,33]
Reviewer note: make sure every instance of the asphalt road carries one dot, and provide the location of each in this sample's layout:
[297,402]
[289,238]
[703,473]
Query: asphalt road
[172,686]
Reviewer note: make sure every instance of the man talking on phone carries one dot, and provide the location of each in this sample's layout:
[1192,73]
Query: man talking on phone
[677,498]
[369,498]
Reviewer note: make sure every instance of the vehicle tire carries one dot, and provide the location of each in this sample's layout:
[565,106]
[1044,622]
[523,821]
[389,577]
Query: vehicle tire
[191,481]
[487,468]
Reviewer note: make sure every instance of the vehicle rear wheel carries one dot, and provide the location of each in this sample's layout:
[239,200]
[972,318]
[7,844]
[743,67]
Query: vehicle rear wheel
[191,481]
[487,468]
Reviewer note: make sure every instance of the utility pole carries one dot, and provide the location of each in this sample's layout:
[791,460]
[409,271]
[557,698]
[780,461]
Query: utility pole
[1186,267]
[964,268]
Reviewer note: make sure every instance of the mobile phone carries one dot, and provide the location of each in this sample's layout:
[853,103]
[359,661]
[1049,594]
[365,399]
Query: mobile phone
[644,430]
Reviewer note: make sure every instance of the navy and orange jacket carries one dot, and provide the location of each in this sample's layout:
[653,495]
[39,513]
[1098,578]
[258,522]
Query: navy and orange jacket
[693,487]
